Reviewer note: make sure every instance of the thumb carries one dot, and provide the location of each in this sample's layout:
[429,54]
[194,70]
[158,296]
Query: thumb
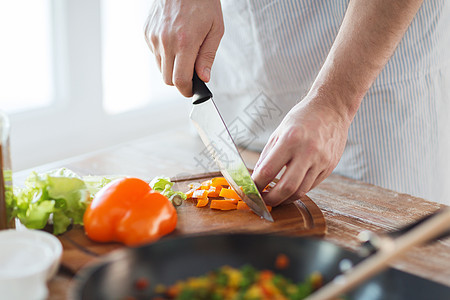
[207,54]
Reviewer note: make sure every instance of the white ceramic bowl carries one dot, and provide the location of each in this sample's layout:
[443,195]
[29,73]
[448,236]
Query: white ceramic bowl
[28,259]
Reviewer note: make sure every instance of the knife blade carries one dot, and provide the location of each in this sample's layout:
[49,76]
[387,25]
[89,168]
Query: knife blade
[218,141]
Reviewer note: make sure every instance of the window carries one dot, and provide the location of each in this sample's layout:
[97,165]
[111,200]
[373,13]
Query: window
[26,75]
[130,75]
[79,78]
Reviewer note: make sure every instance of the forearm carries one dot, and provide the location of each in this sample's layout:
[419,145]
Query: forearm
[369,34]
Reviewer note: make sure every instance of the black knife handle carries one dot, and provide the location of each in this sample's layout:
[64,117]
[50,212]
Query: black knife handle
[200,90]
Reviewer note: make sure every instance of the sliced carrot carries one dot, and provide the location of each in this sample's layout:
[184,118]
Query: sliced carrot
[194,185]
[214,191]
[205,185]
[219,181]
[189,193]
[201,202]
[200,194]
[223,204]
[242,205]
[229,193]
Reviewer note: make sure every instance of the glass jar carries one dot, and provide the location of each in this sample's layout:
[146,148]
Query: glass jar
[6,190]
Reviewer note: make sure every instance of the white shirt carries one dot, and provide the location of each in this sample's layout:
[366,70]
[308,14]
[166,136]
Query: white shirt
[400,138]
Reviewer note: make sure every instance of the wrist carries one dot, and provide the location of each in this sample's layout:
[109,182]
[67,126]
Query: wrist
[343,98]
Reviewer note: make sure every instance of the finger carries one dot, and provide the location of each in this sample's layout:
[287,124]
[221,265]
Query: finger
[270,144]
[288,184]
[183,71]
[167,69]
[207,53]
[270,166]
[322,176]
[158,61]
[308,181]
[150,38]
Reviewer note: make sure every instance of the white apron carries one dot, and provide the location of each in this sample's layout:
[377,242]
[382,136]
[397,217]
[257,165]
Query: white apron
[400,138]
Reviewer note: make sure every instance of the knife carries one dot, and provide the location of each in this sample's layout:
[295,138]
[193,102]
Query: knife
[217,139]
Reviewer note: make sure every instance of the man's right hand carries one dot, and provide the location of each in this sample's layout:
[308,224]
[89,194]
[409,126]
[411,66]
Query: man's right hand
[184,35]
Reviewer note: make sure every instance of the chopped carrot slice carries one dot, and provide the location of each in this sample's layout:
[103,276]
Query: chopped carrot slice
[223,204]
[205,185]
[242,205]
[214,191]
[189,193]
[194,185]
[201,202]
[229,193]
[219,181]
[200,194]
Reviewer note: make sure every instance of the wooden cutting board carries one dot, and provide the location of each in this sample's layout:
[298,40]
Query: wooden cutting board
[301,218]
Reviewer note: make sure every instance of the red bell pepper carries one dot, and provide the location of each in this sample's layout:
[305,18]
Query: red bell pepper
[128,210]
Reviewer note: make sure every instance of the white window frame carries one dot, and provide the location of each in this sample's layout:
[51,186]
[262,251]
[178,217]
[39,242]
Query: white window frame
[76,123]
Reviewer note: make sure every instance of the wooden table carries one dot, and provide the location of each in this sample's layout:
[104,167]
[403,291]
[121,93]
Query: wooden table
[349,206]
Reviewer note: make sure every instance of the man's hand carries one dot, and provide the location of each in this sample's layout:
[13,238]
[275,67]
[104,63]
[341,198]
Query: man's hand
[184,35]
[309,142]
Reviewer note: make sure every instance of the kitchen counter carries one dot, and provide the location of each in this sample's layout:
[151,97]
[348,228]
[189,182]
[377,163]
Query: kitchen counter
[349,206]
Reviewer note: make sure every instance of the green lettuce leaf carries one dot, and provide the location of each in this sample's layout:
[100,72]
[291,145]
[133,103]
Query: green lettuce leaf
[96,183]
[164,186]
[60,194]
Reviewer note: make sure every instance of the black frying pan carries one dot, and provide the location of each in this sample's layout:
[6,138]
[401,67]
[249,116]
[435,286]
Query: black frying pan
[173,259]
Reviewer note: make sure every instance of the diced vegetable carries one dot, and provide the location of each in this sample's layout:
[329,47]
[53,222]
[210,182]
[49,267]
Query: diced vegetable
[242,206]
[218,190]
[229,193]
[200,194]
[205,185]
[202,202]
[214,191]
[240,283]
[194,185]
[219,181]
[223,204]
[281,261]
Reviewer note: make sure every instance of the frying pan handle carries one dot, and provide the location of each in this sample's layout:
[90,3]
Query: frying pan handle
[372,242]
[200,91]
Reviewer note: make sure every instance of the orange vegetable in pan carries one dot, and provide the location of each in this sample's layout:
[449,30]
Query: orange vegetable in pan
[128,210]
